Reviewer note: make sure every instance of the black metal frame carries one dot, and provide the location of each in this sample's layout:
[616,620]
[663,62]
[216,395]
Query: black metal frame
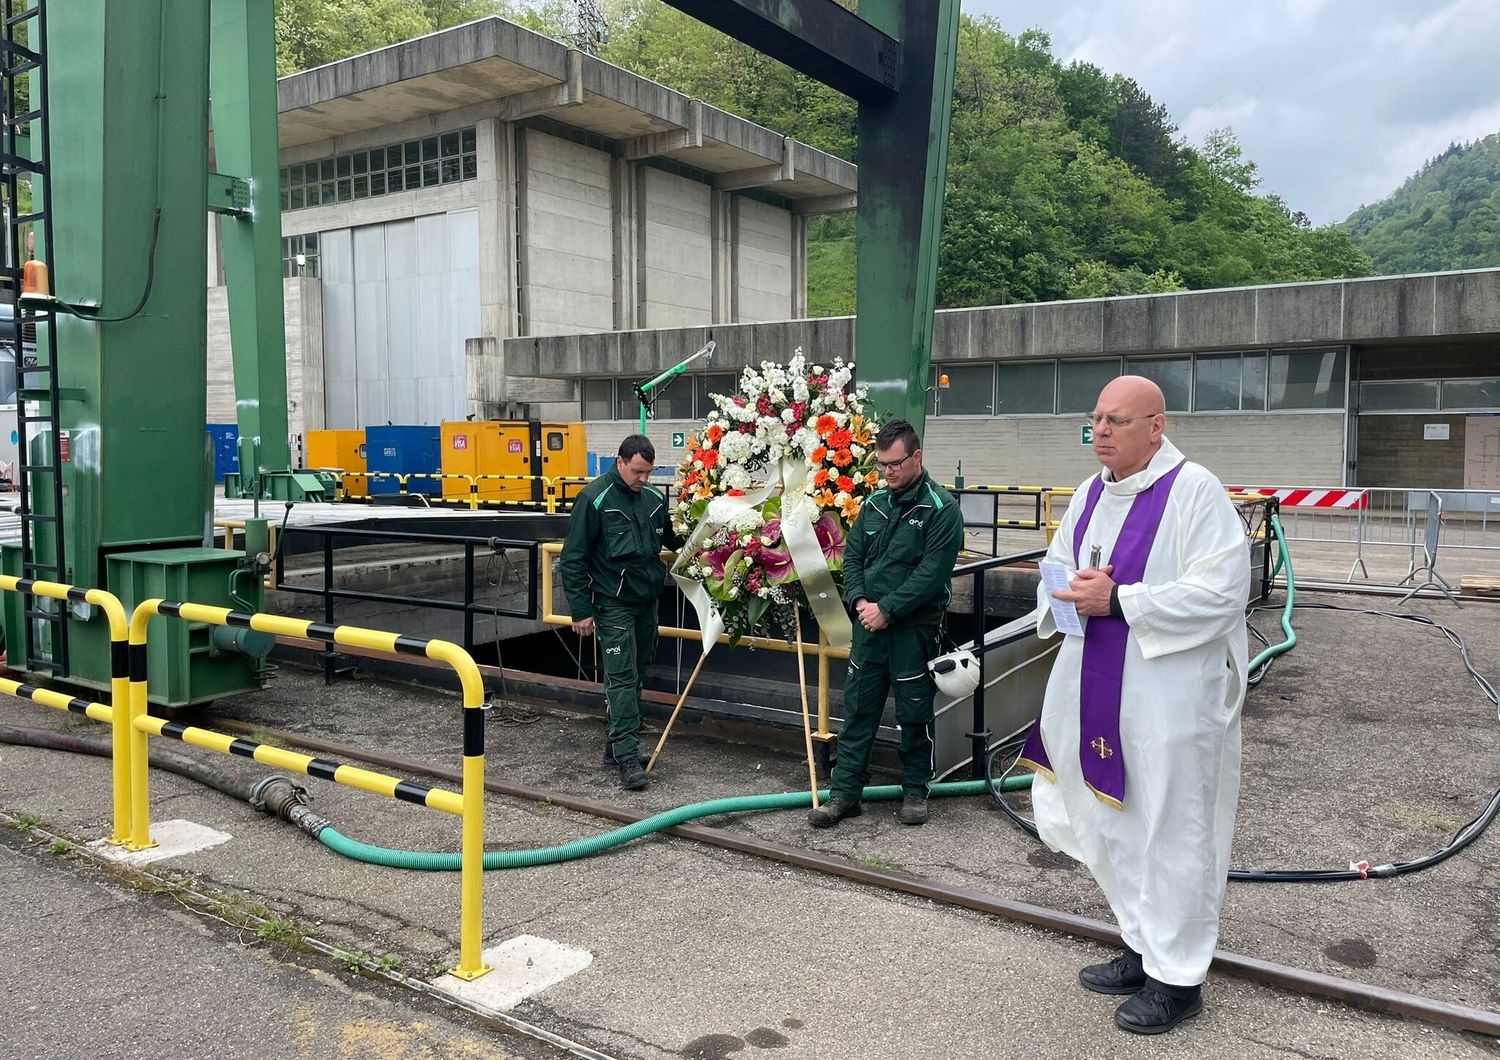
[17,61]
[980,735]
[354,537]
[996,524]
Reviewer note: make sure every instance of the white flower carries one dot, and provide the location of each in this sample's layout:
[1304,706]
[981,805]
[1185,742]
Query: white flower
[856,451]
[787,416]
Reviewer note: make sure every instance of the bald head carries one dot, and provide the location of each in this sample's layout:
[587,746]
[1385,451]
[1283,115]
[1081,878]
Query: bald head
[1129,419]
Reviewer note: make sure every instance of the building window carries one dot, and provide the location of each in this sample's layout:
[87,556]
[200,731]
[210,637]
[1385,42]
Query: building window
[407,166]
[1306,381]
[970,390]
[1173,374]
[598,399]
[1477,394]
[672,401]
[1026,389]
[1079,383]
[627,405]
[1406,396]
[1229,382]
[725,383]
[299,255]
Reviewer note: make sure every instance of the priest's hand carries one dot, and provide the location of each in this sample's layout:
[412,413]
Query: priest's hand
[1089,591]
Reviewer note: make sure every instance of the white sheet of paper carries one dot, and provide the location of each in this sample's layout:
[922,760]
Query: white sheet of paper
[1055,577]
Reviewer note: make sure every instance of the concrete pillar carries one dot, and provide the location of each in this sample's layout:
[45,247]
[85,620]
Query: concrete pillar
[521,286]
[623,186]
[495,173]
[723,224]
[798,272]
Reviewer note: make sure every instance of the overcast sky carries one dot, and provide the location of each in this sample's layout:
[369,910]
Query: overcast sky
[1337,101]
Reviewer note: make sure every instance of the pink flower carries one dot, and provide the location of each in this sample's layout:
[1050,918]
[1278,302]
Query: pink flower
[715,561]
[831,539]
[777,563]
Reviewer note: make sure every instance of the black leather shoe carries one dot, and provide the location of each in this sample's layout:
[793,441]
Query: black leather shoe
[1158,1007]
[1123,975]
[833,811]
[633,775]
[913,809]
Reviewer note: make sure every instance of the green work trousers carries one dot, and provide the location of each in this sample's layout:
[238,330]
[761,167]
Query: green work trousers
[627,644]
[878,662]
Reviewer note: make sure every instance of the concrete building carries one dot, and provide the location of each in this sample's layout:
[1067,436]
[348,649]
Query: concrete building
[1392,381]
[485,182]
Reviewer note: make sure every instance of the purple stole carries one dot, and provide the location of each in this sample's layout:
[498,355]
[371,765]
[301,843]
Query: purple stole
[1104,641]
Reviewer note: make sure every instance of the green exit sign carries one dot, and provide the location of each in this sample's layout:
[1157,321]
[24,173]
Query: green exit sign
[679,439]
[1086,434]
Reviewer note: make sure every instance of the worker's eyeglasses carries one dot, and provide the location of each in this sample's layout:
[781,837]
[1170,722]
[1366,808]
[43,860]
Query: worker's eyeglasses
[1098,419]
[892,465]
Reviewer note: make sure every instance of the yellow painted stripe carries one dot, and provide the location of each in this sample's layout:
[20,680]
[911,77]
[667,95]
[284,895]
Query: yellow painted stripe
[447,801]
[365,638]
[279,625]
[280,758]
[364,780]
[217,616]
[99,712]
[148,725]
[213,741]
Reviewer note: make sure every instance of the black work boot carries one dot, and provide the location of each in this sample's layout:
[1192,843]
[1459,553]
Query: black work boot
[833,811]
[913,808]
[1157,1007]
[633,775]
[1123,975]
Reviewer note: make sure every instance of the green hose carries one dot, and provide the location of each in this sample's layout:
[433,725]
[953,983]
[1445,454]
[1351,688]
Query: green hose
[1284,558]
[583,848]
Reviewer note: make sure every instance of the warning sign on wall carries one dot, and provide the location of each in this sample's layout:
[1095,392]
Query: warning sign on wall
[515,445]
[460,441]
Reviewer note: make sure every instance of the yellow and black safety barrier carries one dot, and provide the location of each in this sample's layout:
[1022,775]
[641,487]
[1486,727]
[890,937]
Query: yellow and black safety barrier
[469,805]
[119,688]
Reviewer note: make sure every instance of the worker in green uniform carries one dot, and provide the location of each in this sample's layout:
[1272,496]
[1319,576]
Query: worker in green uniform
[612,574]
[898,568]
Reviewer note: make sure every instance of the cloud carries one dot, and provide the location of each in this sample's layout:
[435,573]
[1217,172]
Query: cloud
[1336,101]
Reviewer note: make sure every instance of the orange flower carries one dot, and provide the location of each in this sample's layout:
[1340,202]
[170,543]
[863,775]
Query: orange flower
[840,439]
[845,484]
[823,498]
[843,458]
[704,492]
[692,442]
[710,457]
[819,454]
[825,425]
[715,433]
[862,438]
[690,478]
[871,478]
[851,510]
[821,477]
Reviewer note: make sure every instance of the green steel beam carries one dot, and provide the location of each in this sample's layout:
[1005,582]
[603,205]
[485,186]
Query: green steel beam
[242,70]
[903,167]
[818,37]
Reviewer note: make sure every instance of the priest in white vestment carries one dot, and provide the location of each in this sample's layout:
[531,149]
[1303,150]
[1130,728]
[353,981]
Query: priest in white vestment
[1137,750]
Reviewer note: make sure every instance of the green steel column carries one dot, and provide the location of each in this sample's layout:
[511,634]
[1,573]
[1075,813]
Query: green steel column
[243,73]
[128,119]
[903,164]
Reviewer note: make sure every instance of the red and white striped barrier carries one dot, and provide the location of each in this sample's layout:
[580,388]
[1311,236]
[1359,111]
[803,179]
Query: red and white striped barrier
[1310,498]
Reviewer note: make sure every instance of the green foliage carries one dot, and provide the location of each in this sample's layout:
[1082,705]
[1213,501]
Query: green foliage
[1446,216]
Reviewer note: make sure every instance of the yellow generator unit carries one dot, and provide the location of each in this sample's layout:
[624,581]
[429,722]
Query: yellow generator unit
[509,460]
[343,451]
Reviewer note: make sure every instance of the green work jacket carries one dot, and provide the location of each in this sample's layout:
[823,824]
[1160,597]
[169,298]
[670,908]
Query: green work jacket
[901,551]
[613,550]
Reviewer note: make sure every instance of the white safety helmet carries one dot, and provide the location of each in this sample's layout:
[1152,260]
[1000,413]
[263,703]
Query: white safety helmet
[956,673]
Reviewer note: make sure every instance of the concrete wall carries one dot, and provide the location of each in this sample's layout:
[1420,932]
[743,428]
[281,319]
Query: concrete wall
[763,253]
[567,237]
[304,356]
[676,267]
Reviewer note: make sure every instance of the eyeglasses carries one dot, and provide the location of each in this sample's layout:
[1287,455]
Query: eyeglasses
[892,465]
[1098,419]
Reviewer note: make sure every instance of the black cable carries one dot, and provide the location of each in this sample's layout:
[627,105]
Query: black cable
[1462,838]
[83,312]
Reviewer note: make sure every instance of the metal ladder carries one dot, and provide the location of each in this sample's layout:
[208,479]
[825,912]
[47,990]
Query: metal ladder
[39,475]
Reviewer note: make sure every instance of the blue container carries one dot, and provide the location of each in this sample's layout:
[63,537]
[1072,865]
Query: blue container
[404,450]
[599,463]
[226,442]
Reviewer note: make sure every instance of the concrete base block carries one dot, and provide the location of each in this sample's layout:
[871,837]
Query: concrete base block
[173,839]
[523,966]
